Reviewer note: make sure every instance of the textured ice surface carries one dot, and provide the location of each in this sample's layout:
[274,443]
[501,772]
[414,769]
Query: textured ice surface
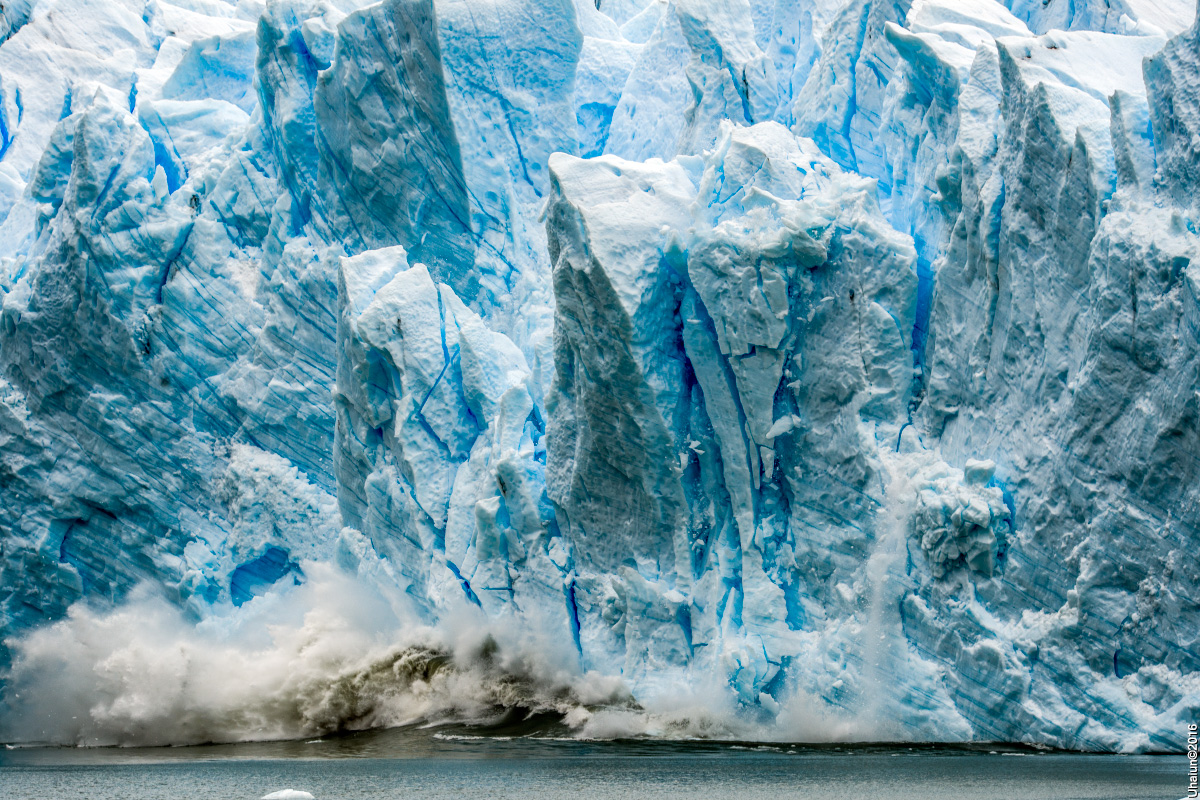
[831,365]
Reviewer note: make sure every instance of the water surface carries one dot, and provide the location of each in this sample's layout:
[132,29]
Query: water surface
[428,764]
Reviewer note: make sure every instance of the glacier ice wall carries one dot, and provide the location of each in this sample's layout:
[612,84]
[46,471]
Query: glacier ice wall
[830,361]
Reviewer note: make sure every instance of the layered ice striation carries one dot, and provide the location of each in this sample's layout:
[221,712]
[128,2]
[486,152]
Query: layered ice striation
[833,364]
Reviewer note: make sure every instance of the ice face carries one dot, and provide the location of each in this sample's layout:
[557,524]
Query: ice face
[836,362]
[726,325]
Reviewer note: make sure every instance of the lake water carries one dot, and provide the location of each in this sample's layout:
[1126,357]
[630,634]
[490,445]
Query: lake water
[426,764]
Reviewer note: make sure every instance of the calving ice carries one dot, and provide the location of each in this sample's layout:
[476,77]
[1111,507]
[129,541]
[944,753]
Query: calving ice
[761,369]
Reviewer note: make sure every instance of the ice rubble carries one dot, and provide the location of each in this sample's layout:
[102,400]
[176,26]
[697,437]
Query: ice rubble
[839,356]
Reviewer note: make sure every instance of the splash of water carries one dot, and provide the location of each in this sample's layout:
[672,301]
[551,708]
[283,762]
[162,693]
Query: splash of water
[333,656]
[329,656]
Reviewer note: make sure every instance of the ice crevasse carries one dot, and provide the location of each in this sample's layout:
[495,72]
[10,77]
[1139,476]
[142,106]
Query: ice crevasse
[836,360]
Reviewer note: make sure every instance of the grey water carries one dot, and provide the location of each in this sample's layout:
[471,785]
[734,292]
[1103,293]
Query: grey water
[424,764]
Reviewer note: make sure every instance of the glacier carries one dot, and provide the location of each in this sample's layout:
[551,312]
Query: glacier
[787,369]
